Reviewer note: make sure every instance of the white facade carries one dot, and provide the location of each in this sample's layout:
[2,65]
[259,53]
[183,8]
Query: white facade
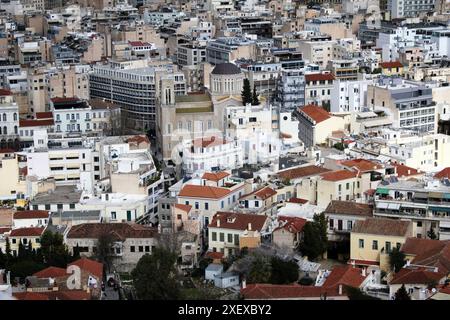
[9,118]
[349,96]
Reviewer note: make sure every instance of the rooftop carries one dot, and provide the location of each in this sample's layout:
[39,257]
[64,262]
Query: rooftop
[349,208]
[238,221]
[383,227]
[61,194]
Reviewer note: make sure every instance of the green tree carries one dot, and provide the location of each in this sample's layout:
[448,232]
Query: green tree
[283,272]
[104,250]
[431,234]
[25,268]
[246,92]
[260,270]
[396,259]
[315,242]
[255,100]
[154,277]
[54,251]
[401,294]
[2,260]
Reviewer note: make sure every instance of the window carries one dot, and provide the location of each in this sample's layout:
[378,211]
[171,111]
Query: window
[206,206]
[374,245]
[141,248]
[419,223]
[214,236]
[221,237]
[13,240]
[147,248]
[47,207]
[230,238]
[197,205]
[132,249]
[59,206]
[340,187]
[113,215]
[388,247]
[349,225]
[398,245]
[361,243]
[347,186]
[72,206]
[331,223]
[236,239]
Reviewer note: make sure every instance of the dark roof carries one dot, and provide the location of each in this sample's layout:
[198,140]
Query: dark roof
[430,253]
[416,276]
[238,221]
[349,208]
[226,68]
[380,226]
[120,231]
[301,172]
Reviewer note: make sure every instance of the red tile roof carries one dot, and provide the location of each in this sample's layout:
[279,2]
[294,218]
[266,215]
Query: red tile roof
[382,226]
[349,208]
[120,231]
[138,43]
[318,114]
[5,92]
[215,176]
[405,171]
[297,200]
[427,252]
[362,165]
[30,296]
[238,221]
[214,255]
[31,214]
[44,115]
[290,291]
[338,175]
[35,123]
[195,191]
[4,230]
[319,77]
[27,232]
[7,150]
[291,224]
[51,272]
[263,193]
[65,99]
[416,276]
[301,172]
[138,139]
[208,142]
[183,207]
[391,64]
[444,173]
[345,275]
[90,266]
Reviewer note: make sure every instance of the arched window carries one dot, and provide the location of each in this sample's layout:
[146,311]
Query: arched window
[16,130]
[5,130]
[0,130]
[4,117]
[15,116]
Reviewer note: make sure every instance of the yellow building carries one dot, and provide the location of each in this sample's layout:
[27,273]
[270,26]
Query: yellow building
[392,68]
[338,185]
[372,240]
[25,235]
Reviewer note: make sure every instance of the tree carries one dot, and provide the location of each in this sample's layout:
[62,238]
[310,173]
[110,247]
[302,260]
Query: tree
[283,272]
[315,242]
[154,277]
[2,260]
[255,100]
[25,268]
[54,251]
[396,259]
[104,250]
[431,234]
[260,270]
[246,92]
[401,294]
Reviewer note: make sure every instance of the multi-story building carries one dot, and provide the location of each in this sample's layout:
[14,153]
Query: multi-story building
[135,87]
[13,185]
[9,120]
[409,103]
[291,89]
[223,50]
[345,70]
[349,96]
[317,49]
[318,88]
[425,204]
[410,8]
[189,54]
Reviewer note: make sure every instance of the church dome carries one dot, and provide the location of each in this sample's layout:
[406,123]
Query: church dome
[226,68]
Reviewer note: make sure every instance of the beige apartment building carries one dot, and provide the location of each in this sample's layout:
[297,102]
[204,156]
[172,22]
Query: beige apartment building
[13,180]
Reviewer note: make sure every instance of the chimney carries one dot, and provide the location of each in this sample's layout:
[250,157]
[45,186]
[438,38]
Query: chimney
[249,226]
[218,222]
[244,284]
[340,289]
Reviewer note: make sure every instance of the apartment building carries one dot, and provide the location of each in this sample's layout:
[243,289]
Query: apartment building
[349,96]
[223,50]
[410,8]
[338,185]
[425,204]
[135,87]
[317,49]
[9,120]
[190,54]
[409,103]
[291,89]
[26,236]
[229,232]
[14,184]
[318,88]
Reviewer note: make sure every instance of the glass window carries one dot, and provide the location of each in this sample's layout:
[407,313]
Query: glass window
[361,243]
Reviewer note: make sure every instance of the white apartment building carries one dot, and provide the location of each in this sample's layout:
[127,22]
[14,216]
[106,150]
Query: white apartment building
[317,50]
[9,118]
[349,96]
[410,8]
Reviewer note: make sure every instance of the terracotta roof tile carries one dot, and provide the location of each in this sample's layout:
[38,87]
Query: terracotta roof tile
[119,230]
[31,214]
[349,208]
[30,296]
[263,193]
[405,171]
[416,276]
[27,232]
[238,221]
[345,275]
[338,175]
[290,291]
[51,272]
[319,77]
[362,165]
[316,113]
[35,123]
[297,200]
[90,266]
[291,224]
[391,64]
[381,226]
[44,115]
[195,191]
[301,172]
[215,176]
[208,142]
[444,173]
[5,92]
[184,207]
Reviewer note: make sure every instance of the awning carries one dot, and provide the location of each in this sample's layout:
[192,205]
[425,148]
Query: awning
[435,195]
[440,209]
[423,195]
[382,191]
[382,205]
[446,196]
[393,206]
